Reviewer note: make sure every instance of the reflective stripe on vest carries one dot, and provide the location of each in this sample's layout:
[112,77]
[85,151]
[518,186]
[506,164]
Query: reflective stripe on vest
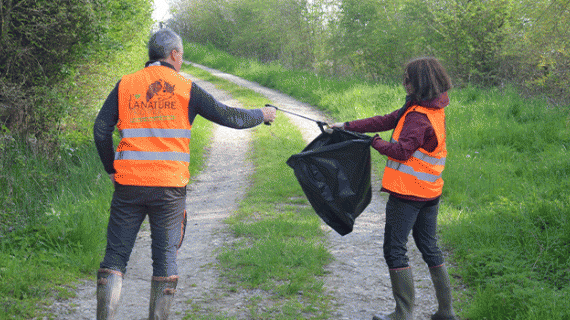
[409,170]
[159,156]
[424,157]
[155,132]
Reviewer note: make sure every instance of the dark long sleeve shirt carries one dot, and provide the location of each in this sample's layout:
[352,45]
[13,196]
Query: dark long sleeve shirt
[201,103]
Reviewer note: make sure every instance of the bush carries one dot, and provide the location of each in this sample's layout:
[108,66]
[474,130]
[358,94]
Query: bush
[41,44]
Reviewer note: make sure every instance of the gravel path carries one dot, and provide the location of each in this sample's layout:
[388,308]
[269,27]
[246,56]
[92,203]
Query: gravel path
[358,277]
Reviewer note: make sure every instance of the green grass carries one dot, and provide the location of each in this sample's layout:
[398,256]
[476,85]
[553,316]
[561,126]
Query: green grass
[505,209]
[62,234]
[280,247]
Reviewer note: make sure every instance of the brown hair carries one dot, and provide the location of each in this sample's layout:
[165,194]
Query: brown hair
[427,77]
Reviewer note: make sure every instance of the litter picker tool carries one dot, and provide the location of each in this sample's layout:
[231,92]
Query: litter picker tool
[321,124]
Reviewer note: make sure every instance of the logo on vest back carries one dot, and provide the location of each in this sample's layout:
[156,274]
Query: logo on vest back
[160,90]
[159,98]
[159,95]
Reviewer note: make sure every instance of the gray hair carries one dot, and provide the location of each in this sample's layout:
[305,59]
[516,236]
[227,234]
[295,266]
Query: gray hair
[162,43]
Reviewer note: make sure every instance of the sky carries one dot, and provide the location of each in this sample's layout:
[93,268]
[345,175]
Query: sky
[160,12]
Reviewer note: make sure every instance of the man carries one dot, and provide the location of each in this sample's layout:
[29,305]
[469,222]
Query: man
[153,109]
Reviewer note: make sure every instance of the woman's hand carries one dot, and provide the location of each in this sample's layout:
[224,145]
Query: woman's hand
[330,127]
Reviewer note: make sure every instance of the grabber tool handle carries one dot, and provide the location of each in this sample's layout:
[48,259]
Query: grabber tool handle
[319,123]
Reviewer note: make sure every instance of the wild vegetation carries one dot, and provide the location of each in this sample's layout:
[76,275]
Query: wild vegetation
[496,42]
[58,61]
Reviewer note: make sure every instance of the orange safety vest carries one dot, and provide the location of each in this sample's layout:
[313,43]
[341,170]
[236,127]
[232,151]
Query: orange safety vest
[420,175]
[155,129]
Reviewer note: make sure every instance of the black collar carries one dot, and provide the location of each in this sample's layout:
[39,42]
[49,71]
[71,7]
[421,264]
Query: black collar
[162,63]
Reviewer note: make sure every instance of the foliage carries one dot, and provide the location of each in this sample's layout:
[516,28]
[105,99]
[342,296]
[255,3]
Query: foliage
[369,32]
[467,34]
[482,43]
[42,45]
[266,30]
[59,61]
[538,49]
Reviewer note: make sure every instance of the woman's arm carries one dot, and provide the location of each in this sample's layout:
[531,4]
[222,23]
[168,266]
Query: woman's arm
[417,132]
[373,124]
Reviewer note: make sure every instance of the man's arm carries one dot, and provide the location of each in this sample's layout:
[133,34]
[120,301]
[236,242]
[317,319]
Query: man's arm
[103,129]
[204,104]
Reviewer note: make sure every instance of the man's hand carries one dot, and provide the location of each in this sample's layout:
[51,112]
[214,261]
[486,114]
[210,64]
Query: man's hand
[269,114]
[112,177]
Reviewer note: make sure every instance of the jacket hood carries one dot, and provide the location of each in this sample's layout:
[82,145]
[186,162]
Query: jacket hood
[436,103]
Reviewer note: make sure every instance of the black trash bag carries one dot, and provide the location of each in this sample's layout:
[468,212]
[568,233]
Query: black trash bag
[334,173]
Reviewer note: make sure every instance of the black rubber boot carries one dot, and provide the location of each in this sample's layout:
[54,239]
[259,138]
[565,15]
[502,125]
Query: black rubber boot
[162,292]
[404,294]
[442,286]
[109,284]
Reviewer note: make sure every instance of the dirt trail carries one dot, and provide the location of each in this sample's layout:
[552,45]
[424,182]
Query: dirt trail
[358,276]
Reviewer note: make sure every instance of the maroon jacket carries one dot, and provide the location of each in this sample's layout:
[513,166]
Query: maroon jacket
[416,133]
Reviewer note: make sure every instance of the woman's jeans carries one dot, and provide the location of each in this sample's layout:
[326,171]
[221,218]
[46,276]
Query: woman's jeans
[403,216]
[165,207]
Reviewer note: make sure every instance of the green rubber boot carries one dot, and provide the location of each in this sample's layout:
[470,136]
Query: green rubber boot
[109,284]
[442,286]
[404,294]
[162,292]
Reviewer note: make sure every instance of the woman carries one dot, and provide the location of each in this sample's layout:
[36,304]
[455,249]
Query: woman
[412,177]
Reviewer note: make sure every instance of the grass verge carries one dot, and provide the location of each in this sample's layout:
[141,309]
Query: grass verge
[39,262]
